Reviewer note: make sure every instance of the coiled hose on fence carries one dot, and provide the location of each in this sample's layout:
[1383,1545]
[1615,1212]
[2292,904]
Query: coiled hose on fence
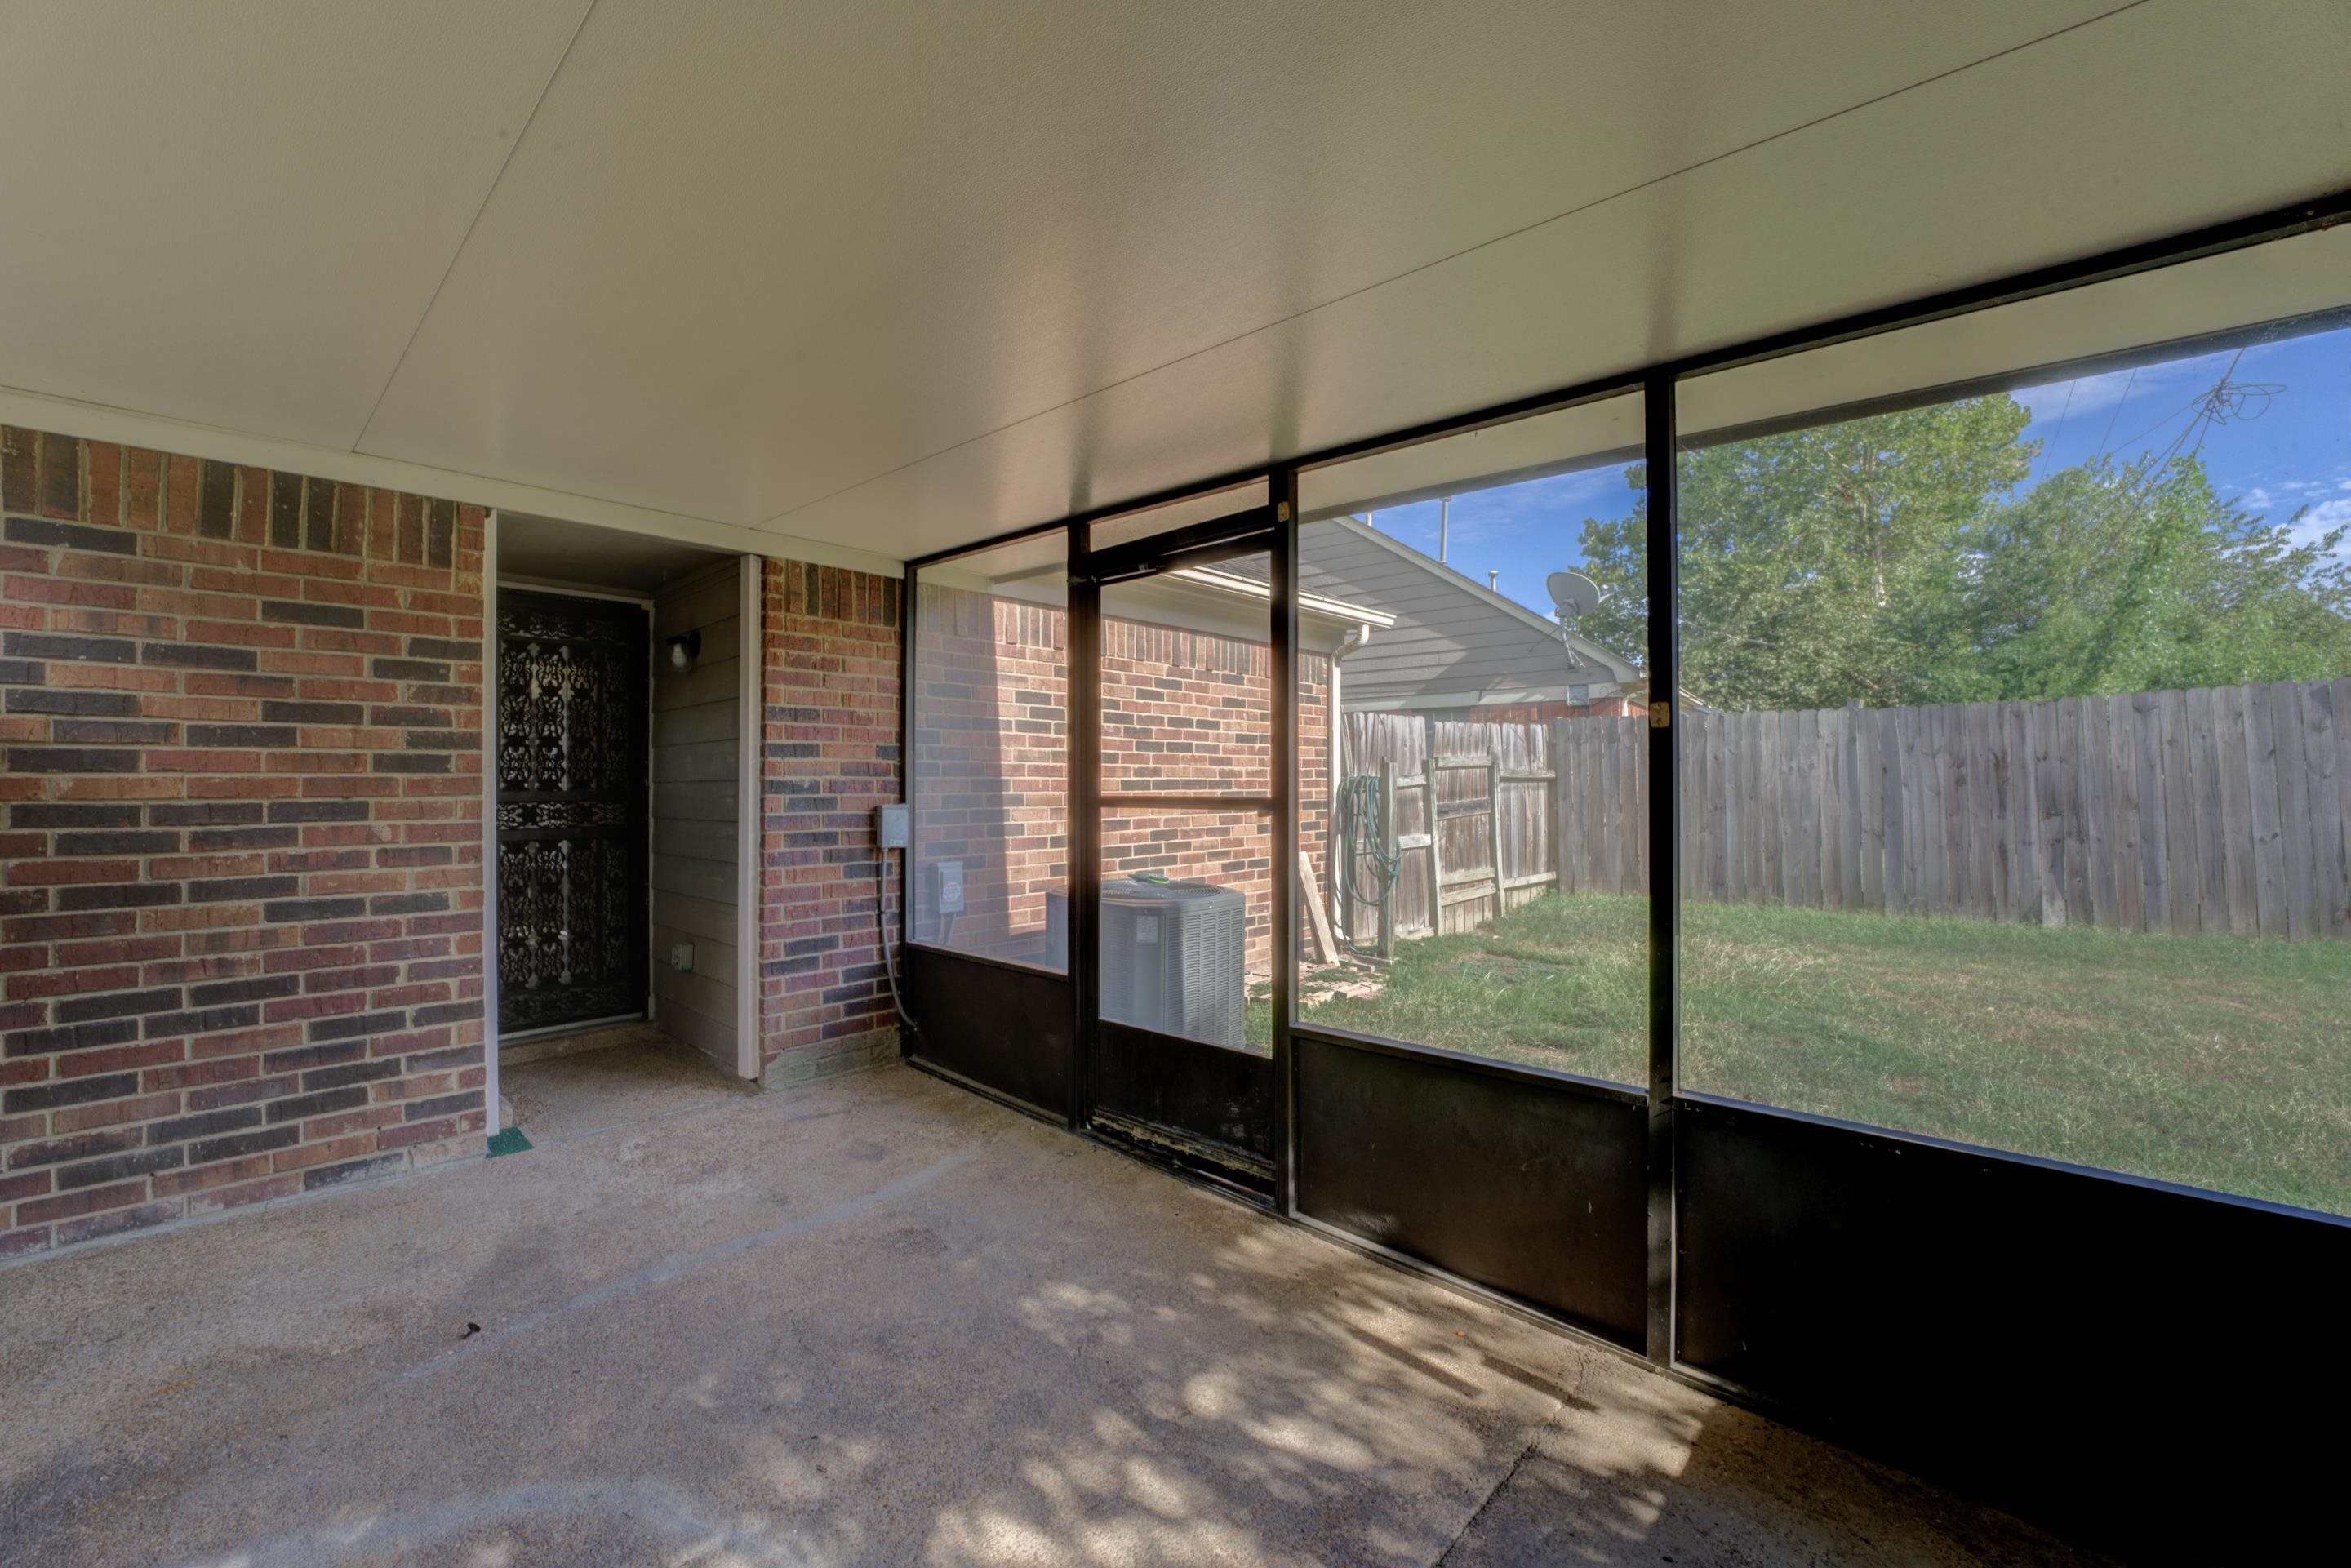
[1366,868]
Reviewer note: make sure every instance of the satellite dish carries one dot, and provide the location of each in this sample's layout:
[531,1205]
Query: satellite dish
[1573,594]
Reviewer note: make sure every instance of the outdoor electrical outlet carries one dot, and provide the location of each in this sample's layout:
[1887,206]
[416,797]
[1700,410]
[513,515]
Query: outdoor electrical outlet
[950,887]
[890,826]
[681,955]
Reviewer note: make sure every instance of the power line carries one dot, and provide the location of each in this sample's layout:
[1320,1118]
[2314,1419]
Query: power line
[2064,412]
[2118,414]
[2225,402]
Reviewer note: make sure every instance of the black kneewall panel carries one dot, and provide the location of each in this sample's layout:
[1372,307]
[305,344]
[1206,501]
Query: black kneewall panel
[1004,1027]
[1225,1096]
[1535,1190]
[2162,1370]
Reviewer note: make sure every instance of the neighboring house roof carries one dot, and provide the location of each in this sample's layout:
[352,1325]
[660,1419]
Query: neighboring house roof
[1456,642]
[1439,639]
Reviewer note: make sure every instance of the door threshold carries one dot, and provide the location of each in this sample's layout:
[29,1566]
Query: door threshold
[570,1038]
[1247,1173]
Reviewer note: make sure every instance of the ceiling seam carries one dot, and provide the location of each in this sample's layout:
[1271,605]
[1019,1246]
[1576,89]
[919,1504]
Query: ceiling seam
[770,521]
[466,238]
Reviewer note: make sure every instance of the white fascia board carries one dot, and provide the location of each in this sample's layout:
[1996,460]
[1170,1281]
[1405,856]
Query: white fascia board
[1314,606]
[185,438]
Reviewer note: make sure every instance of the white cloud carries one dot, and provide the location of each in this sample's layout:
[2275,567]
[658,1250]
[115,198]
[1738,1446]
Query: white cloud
[2279,493]
[2322,520]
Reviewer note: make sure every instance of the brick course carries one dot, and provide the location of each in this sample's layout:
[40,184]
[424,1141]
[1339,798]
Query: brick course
[240,875]
[830,755]
[1184,712]
[991,747]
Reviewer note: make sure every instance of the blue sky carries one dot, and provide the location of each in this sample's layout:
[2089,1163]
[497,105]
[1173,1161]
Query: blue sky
[2287,449]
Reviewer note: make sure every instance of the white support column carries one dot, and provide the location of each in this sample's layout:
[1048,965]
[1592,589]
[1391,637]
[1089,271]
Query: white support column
[748,820]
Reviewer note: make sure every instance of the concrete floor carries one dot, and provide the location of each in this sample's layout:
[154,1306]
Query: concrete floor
[877,1320]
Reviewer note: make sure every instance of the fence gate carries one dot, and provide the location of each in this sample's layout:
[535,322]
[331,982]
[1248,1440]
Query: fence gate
[1484,847]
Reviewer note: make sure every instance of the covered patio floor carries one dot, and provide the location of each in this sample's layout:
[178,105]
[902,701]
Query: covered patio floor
[875,1320]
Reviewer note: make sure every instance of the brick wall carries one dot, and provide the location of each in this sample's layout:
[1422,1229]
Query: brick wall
[1184,712]
[831,756]
[240,879]
[1188,713]
[992,740]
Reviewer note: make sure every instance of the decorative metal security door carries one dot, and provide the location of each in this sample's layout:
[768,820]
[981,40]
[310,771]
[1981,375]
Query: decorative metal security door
[571,810]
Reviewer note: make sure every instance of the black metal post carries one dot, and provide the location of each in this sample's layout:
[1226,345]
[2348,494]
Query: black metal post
[1665,855]
[1282,668]
[1084,761]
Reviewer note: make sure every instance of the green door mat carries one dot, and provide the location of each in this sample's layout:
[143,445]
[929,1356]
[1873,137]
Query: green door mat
[507,1141]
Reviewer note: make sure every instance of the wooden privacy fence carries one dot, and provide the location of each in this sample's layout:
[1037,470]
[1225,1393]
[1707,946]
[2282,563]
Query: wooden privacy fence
[1498,837]
[2221,810]
[2218,811]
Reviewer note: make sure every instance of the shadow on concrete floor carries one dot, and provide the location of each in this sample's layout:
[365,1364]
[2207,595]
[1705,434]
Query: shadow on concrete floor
[875,1320]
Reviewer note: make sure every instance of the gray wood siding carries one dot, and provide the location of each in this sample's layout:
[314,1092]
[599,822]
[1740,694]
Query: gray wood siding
[1450,637]
[697,726]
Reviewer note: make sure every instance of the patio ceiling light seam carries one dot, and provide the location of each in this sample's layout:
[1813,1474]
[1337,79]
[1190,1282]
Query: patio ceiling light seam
[465,240]
[771,521]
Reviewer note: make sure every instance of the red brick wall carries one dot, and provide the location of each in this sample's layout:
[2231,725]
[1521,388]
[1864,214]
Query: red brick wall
[831,756]
[1188,713]
[240,881]
[992,743]
[1183,713]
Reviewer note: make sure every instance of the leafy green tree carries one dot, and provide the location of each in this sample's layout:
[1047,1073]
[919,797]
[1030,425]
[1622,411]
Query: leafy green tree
[1894,560]
[2110,577]
[1819,565]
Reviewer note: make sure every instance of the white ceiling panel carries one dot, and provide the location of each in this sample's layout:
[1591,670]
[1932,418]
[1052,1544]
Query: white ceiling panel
[236,211]
[2094,139]
[898,275]
[749,258]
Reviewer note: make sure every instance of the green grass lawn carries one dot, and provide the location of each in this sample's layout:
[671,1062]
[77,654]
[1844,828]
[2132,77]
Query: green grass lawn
[2219,1061]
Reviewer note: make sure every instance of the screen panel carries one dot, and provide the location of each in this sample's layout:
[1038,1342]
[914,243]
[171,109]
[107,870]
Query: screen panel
[2013,806]
[988,769]
[1473,744]
[1186,682]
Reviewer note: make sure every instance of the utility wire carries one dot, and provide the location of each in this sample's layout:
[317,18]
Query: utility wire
[2059,432]
[2225,402]
[2118,414]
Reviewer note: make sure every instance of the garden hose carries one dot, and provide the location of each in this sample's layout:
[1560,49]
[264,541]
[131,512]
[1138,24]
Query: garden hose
[1364,858]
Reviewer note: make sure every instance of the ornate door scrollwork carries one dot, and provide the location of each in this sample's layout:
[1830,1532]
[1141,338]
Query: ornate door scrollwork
[570,809]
